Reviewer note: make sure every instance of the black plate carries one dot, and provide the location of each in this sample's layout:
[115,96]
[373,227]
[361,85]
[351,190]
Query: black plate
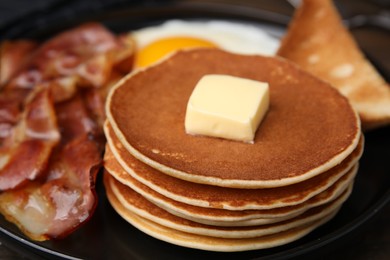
[108,236]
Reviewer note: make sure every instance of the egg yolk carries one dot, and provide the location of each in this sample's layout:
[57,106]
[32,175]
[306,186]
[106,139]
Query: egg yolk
[158,49]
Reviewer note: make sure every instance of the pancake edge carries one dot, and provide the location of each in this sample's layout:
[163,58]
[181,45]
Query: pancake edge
[231,183]
[213,244]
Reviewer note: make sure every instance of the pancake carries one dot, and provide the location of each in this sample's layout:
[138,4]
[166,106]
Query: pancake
[229,198]
[137,204]
[318,41]
[221,217]
[211,243]
[309,127]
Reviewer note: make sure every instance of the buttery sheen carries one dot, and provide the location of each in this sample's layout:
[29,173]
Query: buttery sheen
[227,107]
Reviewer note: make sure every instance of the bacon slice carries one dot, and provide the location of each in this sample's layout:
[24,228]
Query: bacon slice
[82,51]
[55,205]
[13,54]
[95,71]
[9,109]
[65,200]
[89,51]
[94,99]
[51,138]
[124,56]
[74,120]
[62,88]
[25,155]
[9,112]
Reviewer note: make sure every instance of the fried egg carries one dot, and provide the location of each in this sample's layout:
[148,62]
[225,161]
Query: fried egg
[153,43]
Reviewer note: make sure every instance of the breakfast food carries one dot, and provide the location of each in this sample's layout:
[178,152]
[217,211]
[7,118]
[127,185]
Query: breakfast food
[51,114]
[162,225]
[318,42]
[236,116]
[155,42]
[195,191]
[218,194]
[52,101]
[162,147]
[169,194]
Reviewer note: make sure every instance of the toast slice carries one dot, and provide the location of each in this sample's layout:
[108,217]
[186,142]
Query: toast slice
[318,42]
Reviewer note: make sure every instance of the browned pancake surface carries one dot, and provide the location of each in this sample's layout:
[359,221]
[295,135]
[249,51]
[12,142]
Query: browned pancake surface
[114,168]
[127,196]
[308,122]
[206,242]
[232,198]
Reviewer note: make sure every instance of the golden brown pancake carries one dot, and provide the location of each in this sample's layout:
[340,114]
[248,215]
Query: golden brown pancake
[211,243]
[221,217]
[318,41]
[308,129]
[230,198]
[137,204]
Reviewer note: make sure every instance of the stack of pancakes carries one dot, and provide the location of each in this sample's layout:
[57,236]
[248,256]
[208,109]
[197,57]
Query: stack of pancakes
[223,195]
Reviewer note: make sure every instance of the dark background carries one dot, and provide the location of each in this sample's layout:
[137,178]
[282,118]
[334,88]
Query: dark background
[369,21]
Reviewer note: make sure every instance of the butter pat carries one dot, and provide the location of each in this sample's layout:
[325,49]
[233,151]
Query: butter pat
[227,107]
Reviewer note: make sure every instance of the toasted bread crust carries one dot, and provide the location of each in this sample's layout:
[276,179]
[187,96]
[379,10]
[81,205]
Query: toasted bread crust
[318,42]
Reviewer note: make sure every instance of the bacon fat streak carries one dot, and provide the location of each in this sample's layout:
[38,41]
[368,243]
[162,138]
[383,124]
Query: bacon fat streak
[51,113]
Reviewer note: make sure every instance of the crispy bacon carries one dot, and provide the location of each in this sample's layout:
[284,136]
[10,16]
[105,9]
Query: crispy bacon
[95,71]
[51,138]
[24,156]
[70,184]
[74,120]
[64,200]
[73,47]
[13,54]
[94,99]
[62,88]
[27,79]
[10,111]
[124,57]
[9,106]
[86,51]
[55,205]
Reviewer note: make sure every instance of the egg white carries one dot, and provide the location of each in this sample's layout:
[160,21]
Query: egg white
[230,36]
